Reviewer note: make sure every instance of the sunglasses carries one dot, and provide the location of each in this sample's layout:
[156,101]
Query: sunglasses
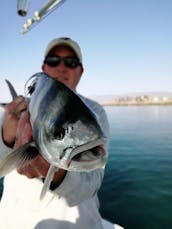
[69,61]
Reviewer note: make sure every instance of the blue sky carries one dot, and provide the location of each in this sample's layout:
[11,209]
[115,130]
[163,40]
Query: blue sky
[126,44]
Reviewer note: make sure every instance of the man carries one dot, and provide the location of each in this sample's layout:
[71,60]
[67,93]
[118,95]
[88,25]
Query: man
[78,203]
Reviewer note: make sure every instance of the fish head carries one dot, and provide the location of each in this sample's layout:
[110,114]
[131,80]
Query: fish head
[73,146]
[65,129]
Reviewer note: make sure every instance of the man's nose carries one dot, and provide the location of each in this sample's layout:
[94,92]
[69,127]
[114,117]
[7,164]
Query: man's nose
[61,65]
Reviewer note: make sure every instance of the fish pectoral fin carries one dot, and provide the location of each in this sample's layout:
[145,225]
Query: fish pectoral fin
[18,158]
[48,179]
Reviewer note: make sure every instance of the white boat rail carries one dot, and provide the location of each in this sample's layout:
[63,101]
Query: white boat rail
[41,14]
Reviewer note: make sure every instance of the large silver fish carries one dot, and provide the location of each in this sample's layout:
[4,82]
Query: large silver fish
[65,131]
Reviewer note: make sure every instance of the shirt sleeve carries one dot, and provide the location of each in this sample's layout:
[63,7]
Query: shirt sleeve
[4,149]
[79,186]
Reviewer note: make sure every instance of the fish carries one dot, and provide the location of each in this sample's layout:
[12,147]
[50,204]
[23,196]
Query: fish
[65,131]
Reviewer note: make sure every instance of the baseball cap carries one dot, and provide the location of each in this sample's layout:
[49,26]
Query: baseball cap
[65,41]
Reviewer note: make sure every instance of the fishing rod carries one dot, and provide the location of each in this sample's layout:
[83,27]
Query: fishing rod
[50,6]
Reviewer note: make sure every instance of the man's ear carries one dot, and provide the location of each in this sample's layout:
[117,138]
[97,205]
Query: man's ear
[43,67]
[82,69]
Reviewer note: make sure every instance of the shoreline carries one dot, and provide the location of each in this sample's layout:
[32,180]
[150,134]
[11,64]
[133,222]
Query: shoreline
[134,104]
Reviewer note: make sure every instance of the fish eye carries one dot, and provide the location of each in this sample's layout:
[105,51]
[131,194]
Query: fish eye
[59,133]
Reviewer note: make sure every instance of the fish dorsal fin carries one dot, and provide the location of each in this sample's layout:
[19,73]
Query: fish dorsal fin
[12,90]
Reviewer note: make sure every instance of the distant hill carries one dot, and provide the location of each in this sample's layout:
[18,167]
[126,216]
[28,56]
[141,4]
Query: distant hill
[110,97]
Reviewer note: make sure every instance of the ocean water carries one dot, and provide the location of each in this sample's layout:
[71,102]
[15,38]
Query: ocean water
[137,187]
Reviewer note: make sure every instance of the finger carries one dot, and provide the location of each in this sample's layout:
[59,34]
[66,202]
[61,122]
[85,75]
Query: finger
[28,171]
[24,130]
[16,106]
[40,165]
[15,102]
[24,119]
[21,107]
[18,99]
[34,168]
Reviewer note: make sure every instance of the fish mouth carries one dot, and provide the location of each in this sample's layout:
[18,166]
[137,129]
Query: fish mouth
[89,155]
[89,159]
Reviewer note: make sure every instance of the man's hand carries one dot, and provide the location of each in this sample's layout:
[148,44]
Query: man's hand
[12,114]
[38,167]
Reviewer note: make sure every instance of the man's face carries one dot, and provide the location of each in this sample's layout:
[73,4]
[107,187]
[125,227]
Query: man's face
[69,76]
